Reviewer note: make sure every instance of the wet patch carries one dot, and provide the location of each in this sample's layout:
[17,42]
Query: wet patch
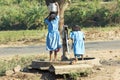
[87,58]
[110,62]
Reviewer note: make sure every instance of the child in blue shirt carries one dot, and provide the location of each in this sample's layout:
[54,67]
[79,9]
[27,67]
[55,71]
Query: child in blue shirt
[77,37]
[53,43]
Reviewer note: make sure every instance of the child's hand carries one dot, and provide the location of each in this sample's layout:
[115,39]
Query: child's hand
[56,3]
[84,39]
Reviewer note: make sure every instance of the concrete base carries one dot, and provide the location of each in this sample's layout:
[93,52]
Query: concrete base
[64,58]
[64,67]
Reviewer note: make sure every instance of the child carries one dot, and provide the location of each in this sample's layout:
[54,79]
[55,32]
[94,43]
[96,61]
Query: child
[77,37]
[53,43]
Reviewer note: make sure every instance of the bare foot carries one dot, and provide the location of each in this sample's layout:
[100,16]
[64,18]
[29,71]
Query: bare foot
[82,57]
[54,60]
[50,60]
[73,62]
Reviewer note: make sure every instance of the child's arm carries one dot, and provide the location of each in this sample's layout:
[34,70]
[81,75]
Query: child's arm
[46,20]
[84,39]
[71,37]
[58,9]
[72,44]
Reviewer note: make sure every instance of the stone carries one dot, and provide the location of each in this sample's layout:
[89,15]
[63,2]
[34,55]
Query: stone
[9,72]
[17,68]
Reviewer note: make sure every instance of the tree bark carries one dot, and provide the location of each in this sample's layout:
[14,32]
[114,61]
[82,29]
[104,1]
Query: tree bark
[63,6]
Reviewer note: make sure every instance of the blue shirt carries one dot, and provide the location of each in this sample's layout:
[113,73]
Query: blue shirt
[53,24]
[53,37]
[78,42]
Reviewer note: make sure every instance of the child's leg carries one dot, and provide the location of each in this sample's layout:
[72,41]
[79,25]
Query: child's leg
[55,55]
[50,55]
[76,59]
[82,57]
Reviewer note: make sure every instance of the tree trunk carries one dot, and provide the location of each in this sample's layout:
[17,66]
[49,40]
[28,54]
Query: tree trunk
[63,6]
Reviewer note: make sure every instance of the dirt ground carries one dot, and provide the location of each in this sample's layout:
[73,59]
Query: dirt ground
[110,60]
[109,70]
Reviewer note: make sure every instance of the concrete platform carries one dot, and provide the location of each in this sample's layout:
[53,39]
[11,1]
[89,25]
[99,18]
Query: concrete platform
[64,67]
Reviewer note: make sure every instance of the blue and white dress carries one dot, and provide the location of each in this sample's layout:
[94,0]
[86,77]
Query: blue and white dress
[78,42]
[53,41]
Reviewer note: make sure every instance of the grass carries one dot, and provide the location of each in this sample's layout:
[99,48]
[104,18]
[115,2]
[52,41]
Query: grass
[10,62]
[78,75]
[22,35]
[40,35]
[105,29]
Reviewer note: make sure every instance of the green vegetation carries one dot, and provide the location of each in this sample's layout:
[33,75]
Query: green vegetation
[23,61]
[77,75]
[38,36]
[30,14]
[74,76]
[23,35]
[93,13]
[21,14]
[103,29]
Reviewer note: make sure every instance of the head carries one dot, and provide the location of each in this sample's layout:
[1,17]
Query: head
[76,28]
[52,15]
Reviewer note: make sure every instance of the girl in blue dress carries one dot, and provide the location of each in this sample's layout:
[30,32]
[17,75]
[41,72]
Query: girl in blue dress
[77,37]
[53,43]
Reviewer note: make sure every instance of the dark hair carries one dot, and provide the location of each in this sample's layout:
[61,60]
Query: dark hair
[76,28]
[53,1]
[52,16]
[52,13]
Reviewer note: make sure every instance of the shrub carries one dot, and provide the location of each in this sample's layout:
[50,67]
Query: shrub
[93,14]
[21,14]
